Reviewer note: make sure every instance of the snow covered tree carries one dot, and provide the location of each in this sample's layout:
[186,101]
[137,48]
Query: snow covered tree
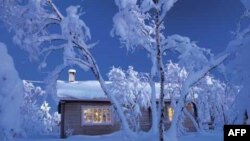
[211,99]
[131,90]
[31,22]
[175,76]
[35,112]
[11,97]
[50,122]
[140,23]
[30,107]
[237,70]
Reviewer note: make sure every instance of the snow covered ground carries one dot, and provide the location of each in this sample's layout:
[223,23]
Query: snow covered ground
[203,137]
[118,136]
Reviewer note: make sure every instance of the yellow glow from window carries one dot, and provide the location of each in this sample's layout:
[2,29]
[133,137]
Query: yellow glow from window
[170,113]
[96,115]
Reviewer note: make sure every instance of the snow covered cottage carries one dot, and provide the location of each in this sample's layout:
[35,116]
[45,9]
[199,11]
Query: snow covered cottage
[85,109]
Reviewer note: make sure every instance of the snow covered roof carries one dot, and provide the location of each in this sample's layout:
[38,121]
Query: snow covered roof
[86,90]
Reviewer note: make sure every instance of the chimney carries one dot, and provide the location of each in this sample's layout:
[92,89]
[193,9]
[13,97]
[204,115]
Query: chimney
[72,75]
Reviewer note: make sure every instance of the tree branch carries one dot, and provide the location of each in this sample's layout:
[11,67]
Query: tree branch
[210,67]
[52,48]
[58,13]
[51,37]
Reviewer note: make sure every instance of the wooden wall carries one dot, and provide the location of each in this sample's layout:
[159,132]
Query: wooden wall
[71,119]
[145,120]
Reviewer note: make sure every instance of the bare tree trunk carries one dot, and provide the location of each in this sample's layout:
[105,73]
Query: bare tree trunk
[162,77]
[154,113]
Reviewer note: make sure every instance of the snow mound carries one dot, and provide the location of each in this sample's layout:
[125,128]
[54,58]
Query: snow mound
[11,94]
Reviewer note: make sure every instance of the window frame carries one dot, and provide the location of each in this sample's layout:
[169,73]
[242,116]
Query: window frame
[83,107]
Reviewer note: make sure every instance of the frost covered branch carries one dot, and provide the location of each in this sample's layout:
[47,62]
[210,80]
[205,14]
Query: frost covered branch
[58,13]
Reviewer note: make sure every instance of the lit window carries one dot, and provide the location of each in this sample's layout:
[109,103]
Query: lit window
[170,113]
[94,115]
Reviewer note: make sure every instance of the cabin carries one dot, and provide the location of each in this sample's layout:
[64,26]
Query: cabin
[85,110]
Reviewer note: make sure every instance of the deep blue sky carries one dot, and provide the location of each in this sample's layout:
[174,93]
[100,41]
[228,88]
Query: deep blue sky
[207,21]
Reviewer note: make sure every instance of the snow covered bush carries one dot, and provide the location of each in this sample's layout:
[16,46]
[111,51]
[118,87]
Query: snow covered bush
[131,90]
[11,97]
[35,112]
[50,122]
[30,108]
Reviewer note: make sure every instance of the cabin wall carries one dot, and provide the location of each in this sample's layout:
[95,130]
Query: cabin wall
[187,123]
[71,115]
[72,120]
[145,120]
